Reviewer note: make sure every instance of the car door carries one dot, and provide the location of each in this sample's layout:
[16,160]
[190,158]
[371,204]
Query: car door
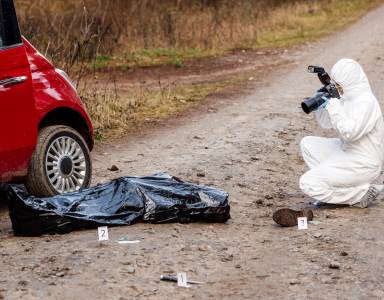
[18,117]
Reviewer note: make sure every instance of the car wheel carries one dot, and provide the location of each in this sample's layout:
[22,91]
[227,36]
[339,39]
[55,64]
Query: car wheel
[61,162]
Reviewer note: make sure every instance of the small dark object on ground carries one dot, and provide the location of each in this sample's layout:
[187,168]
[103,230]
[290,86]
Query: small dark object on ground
[159,198]
[113,168]
[334,265]
[287,217]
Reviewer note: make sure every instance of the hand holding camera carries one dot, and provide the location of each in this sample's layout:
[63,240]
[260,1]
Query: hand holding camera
[323,95]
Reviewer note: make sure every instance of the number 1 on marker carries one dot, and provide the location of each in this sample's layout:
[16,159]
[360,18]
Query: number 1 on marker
[182,279]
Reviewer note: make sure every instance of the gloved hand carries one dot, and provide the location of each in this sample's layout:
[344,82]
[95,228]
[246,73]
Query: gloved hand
[326,102]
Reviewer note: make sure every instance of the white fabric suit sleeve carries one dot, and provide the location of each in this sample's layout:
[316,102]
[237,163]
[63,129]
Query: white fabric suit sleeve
[322,117]
[352,127]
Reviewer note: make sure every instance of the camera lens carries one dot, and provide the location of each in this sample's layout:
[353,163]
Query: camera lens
[313,103]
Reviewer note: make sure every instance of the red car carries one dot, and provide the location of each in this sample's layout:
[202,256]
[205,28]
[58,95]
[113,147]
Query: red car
[45,133]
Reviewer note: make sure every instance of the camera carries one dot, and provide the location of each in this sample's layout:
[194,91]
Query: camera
[328,90]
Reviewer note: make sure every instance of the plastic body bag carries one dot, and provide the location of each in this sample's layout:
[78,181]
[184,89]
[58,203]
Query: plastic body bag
[157,199]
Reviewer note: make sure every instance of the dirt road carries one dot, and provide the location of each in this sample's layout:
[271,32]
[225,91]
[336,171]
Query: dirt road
[248,146]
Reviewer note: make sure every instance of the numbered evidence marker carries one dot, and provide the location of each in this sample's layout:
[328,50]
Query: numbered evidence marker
[302,223]
[103,233]
[182,279]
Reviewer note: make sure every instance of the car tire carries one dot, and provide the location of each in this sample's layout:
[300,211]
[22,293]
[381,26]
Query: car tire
[61,162]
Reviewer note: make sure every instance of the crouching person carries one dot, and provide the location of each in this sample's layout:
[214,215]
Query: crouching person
[343,170]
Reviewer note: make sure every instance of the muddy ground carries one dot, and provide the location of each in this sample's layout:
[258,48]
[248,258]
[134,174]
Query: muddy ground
[247,145]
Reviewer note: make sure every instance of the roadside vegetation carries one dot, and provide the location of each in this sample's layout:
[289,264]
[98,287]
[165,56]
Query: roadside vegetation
[86,37]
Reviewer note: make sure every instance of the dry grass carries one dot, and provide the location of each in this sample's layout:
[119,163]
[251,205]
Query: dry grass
[146,32]
[300,22]
[117,112]
[72,30]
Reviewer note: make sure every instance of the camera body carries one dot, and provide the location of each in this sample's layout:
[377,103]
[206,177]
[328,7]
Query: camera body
[328,90]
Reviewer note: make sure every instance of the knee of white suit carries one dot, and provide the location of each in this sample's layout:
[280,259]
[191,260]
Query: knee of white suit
[305,184]
[304,143]
[305,147]
[314,187]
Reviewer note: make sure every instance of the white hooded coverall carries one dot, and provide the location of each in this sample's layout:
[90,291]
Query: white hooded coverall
[342,169]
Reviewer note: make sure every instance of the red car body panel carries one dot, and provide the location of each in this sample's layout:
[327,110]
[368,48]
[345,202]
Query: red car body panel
[51,90]
[25,106]
[18,115]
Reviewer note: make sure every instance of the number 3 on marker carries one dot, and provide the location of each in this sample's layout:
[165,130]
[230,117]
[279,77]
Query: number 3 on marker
[302,223]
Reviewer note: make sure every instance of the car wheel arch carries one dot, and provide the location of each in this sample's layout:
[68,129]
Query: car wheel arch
[68,117]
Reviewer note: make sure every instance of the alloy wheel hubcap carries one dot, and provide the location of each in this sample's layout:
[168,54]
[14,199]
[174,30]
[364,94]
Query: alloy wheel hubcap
[65,165]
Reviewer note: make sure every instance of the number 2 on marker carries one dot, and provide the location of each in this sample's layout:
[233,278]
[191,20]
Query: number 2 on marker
[103,233]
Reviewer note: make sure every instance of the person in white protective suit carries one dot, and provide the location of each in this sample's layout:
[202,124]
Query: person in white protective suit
[343,170]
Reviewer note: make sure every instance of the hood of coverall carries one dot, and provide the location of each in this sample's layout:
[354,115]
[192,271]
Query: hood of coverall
[350,76]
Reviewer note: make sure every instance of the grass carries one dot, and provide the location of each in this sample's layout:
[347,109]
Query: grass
[114,113]
[143,33]
[152,57]
[286,26]
[305,24]
[101,62]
